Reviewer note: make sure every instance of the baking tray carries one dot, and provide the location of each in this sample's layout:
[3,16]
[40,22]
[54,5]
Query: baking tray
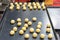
[8,15]
[54,13]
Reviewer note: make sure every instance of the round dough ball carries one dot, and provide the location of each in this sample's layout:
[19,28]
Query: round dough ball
[16,3]
[31,8]
[50,36]
[34,18]
[25,3]
[48,30]
[40,23]
[18,7]
[26,36]
[48,25]
[35,7]
[38,30]
[34,35]
[24,28]
[18,19]
[19,24]
[43,7]
[26,25]
[11,7]
[38,26]
[21,32]
[15,28]
[39,7]
[29,23]
[12,21]
[12,32]
[24,8]
[31,30]
[20,3]
[29,3]
[26,19]
[42,36]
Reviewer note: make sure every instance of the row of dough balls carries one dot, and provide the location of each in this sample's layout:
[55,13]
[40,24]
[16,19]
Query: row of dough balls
[34,35]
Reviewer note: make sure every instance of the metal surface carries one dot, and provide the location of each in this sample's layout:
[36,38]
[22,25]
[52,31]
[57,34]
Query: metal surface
[6,26]
[55,17]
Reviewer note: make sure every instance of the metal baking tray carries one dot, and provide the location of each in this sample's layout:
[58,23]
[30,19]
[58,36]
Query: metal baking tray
[41,15]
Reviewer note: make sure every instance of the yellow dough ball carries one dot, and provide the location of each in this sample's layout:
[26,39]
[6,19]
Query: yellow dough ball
[26,36]
[48,25]
[31,30]
[24,8]
[31,8]
[34,35]
[18,19]
[12,32]
[42,36]
[24,28]
[40,23]
[29,23]
[38,30]
[12,21]
[50,36]
[20,3]
[39,7]
[11,7]
[18,7]
[21,32]
[15,28]
[35,7]
[26,25]
[38,26]
[34,18]
[29,3]
[19,24]
[16,3]
[25,3]
[43,7]
[48,30]
[26,19]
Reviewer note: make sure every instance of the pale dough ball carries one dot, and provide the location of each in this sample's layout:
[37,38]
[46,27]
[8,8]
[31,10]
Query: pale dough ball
[18,7]
[29,23]
[26,19]
[38,26]
[24,28]
[18,19]
[31,8]
[35,7]
[39,7]
[12,21]
[40,23]
[11,7]
[29,3]
[38,30]
[34,35]
[43,7]
[26,36]
[12,32]
[48,25]
[48,30]
[21,32]
[20,3]
[16,3]
[31,30]
[42,36]
[25,3]
[34,18]
[24,8]
[19,24]
[50,36]
[15,28]
[26,25]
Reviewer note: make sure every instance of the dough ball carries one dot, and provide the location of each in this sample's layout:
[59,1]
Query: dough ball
[18,7]
[42,36]
[16,3]
[12,21]
[43,7]
[26,19]
[38,26]
[11,7]
[34,18]
[11,3]
[38,30]
[26,25]
[31,8]
[26,36]
[35,7]
[34,35]
[18,19]
[25,3]
[15,28]
[21,32]
[20,3]
[24,28]
[29,3]
[39,7]
[24,8]
[40,23]
[29,23]
[48,25]
[19,24]
[50,36]
[48,30]
[12,32]
[31,30]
